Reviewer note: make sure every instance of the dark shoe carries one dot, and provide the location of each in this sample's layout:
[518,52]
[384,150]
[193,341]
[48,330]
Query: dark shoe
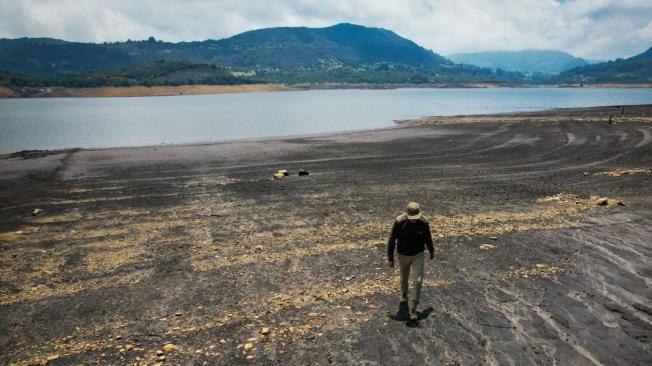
[413,312]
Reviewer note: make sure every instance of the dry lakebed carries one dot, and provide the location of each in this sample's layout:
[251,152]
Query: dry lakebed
[196,254]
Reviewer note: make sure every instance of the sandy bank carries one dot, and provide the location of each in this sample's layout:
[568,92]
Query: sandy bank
[613,114]
[6,92]
[140,91]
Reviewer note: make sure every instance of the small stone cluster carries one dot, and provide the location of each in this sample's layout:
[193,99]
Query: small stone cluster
[282,173]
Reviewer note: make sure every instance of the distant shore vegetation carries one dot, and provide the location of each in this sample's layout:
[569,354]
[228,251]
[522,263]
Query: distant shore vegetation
[159,73]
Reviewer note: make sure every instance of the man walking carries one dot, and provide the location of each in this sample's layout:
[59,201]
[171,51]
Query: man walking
[410,235]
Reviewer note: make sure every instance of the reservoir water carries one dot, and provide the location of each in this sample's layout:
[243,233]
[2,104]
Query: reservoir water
[55,123]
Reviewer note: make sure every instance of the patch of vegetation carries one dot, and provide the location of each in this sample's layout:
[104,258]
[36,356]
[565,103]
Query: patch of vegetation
[388,73]
[8,78]
[157,73]
[154,74]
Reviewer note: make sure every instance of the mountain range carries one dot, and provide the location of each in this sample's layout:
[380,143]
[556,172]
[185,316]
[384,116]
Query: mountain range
[526,61]
[343,53]
[271,49]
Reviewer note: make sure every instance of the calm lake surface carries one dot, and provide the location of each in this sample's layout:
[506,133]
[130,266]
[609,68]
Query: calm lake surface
[110,122]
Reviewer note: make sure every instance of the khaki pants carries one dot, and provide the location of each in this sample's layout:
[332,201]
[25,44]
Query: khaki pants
[417,264]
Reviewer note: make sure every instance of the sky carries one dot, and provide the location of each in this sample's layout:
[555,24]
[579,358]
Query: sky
[594,29]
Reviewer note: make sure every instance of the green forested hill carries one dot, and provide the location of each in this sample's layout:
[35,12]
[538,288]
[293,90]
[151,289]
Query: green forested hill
[343,53]
[343,44]
[273,49]
[636,69]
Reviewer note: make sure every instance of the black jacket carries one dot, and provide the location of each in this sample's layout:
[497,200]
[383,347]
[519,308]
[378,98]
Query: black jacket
[409,238]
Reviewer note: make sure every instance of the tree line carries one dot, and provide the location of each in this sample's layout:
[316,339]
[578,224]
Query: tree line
[159,73]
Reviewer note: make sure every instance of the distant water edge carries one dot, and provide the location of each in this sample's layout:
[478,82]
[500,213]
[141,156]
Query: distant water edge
[57,123]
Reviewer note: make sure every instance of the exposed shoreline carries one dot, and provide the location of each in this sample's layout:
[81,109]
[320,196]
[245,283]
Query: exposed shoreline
[142,91]
[138,91]
[598,113]
[614,113]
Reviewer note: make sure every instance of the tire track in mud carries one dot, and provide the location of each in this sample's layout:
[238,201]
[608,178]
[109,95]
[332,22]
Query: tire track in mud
[647,137]
[557,156]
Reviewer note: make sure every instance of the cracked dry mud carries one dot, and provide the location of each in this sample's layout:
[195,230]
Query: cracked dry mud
[194,254]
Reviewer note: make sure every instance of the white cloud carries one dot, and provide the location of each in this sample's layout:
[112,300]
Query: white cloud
[601,29]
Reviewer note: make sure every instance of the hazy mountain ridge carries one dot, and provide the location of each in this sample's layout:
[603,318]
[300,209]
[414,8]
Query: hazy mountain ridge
[636,69]
[526,61]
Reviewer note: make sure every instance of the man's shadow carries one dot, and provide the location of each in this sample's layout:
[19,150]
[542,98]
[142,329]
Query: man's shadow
[403,315]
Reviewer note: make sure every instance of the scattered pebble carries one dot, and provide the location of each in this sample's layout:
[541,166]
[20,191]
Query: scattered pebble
[52,358]
[169,347]
[602,202]
[621,172]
